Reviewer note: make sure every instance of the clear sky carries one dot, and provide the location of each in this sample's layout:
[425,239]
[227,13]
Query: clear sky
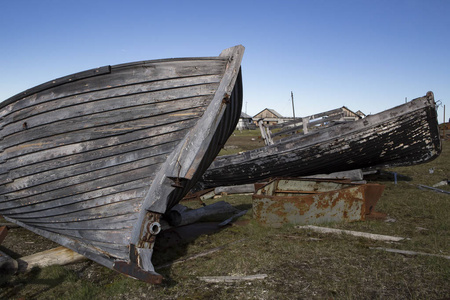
[366,55]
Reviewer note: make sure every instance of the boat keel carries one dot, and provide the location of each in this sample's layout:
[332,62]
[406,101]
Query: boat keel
[140,265]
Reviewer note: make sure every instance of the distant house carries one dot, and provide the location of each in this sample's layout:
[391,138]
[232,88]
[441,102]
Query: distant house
[269,116]
[245,122]
[352,116]
[334,116]
[361,114]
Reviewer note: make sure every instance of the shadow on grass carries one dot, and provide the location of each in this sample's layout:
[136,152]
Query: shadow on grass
[386,176]
[12,286]
[172,244]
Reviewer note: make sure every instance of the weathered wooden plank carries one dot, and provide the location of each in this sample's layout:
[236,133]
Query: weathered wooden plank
[23,145]
[53,83]
[13,201]
[298,121]
[98,197]
[88,181]
[372,236]
[135,149]
[121,203]
[113,236]
[311,124]
[119,77]
[75,153]
[409,252]
[217,279]
[96,97]
[118,222]
[56,256]
[71,171]
[105,112]
[126,121]
[237,189]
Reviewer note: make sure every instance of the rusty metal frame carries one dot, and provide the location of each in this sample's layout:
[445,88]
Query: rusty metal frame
[280,202]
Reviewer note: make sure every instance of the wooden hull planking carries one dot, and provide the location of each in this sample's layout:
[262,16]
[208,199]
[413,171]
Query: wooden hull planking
[92,160]
[404,135]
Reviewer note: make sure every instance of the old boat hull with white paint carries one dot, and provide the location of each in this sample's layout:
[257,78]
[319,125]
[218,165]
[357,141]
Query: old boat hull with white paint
[93,160]
[404,135]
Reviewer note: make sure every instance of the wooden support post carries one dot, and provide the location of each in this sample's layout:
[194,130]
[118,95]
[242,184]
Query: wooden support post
[305,122]
[269,136]
[266,137]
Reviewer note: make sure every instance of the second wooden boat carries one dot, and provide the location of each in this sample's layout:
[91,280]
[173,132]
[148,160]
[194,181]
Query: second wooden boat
[404,135]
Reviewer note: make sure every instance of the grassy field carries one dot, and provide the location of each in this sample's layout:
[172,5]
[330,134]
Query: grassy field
[299,264]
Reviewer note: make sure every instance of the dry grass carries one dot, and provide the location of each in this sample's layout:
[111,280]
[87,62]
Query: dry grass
[299,264]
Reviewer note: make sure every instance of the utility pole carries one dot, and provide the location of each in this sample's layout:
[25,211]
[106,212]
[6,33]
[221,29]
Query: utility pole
[292,98]
[444,125]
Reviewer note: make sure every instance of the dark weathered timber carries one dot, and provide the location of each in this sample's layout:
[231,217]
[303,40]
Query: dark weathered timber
[404,135]
[93,160]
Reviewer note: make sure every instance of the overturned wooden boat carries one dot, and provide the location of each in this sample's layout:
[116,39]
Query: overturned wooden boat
[404,135]
[314,201]
[92,160]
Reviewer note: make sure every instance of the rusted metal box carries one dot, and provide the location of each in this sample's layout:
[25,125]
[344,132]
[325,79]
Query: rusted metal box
[313,201]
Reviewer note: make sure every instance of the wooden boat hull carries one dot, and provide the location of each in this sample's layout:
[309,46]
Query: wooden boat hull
[93,160]
[404,135]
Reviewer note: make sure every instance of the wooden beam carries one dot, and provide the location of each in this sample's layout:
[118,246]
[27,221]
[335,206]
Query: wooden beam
[235,189]
[56,256]
[408,252]
[232,278]
[372,236]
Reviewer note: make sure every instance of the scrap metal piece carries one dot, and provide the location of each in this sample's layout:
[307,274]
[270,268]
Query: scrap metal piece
[3,233]
[313,201]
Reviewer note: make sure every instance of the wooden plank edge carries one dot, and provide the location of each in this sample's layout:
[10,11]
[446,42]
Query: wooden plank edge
[372,236]
[56,256]
[217,279]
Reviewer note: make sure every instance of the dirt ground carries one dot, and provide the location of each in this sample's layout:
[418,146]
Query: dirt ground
[298,264]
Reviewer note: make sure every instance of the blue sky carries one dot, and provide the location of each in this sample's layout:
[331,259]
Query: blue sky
[366,55]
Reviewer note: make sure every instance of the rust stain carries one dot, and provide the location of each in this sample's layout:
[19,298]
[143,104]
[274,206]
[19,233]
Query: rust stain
[313,201]
[149,229]
[3,233]
[133,270]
